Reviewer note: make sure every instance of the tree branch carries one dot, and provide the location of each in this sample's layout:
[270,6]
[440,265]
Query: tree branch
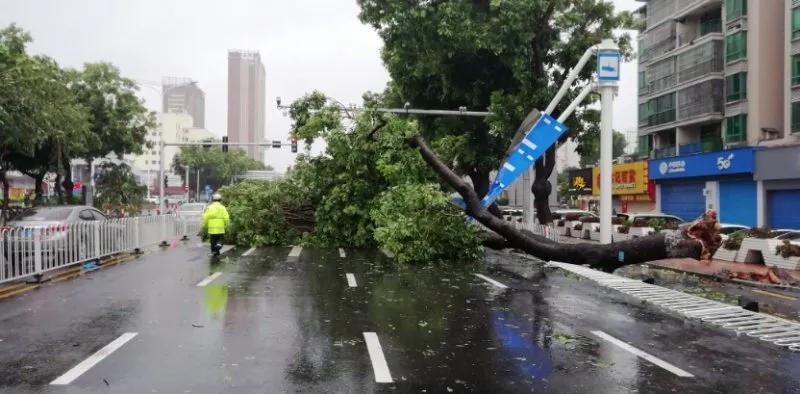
[605,257]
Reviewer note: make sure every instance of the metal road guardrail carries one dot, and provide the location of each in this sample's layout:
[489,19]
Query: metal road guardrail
[32,251]
[767,328]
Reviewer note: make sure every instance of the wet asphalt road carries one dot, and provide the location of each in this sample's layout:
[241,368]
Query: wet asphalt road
[269,323]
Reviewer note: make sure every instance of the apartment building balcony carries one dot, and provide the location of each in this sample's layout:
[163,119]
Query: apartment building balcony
[702,100]
[700,147]
[687,8]
[704,57]
[657,41]
[694,63]
[661,153]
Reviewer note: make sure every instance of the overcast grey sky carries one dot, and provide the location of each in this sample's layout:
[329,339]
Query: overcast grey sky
[304,44]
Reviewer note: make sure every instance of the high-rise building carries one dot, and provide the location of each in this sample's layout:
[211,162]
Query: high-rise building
[712,96]
[183,95]
[708,75]
[246,106]
[792,65]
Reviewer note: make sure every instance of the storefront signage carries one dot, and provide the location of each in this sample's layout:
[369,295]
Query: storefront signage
[734,161]
[627,178]
[580,181]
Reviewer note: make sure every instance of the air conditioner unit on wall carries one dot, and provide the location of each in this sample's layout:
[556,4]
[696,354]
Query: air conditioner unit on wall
[769,133]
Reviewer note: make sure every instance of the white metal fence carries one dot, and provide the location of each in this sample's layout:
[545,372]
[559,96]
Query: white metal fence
[30,251]
[544,230]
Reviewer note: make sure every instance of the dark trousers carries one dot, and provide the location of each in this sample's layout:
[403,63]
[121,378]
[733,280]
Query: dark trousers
[216,242]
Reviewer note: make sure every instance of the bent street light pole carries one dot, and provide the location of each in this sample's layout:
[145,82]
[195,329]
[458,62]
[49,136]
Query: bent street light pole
[607,75]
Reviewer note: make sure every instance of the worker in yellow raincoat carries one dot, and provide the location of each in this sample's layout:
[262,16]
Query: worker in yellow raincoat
[215,222]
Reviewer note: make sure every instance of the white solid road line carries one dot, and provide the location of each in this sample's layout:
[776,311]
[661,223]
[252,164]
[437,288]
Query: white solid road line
[653,359]
[351,280]
[341,253]
[90,362]
[209,279]
[295,252]
[492,281]
[379,366]
[249,252]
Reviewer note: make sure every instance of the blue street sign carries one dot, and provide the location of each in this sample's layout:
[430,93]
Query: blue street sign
[542,135]
[608,65]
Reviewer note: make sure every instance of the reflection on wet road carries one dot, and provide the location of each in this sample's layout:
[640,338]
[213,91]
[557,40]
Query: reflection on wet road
[306,320]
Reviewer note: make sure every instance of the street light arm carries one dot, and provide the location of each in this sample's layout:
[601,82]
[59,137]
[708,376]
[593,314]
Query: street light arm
[573,75]
[575,103]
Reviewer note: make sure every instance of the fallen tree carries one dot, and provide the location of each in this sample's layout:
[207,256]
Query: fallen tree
[687,243]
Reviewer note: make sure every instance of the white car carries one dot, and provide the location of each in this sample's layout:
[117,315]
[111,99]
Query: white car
[786,234]
[647,216]
[561,213]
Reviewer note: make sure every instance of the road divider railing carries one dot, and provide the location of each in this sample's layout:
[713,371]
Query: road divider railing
[32,251]
[544,230]
[768,328]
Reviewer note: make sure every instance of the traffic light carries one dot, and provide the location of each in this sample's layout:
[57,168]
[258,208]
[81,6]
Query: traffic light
[225,143]
[166,183]
[294,144]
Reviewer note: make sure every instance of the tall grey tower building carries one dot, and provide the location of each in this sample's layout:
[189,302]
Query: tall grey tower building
[246,106]
[183,95]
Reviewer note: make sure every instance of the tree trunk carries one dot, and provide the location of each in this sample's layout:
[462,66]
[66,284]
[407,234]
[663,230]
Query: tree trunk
[606,257]
[67,181]
[38,182]
[481,183]
[541,187]
[6,190]
[59,188]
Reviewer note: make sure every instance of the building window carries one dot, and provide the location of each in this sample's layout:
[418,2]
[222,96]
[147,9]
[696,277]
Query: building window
[796,23]
[796,117]
[644,145]
[736,46]
[735,9]
[736,87]
[643,114]
[736,128]
[661,110]
[795,70]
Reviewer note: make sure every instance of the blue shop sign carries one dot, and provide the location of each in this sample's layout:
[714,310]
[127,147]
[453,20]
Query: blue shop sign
[734,161]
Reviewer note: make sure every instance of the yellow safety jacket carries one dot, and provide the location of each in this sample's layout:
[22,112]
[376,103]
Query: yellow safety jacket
[215,218]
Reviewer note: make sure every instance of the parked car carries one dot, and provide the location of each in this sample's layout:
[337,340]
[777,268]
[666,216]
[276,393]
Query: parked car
[56,216]
[786,235]
[728,229]
[647,216]
[561,213]
[512,214]
[65,233]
